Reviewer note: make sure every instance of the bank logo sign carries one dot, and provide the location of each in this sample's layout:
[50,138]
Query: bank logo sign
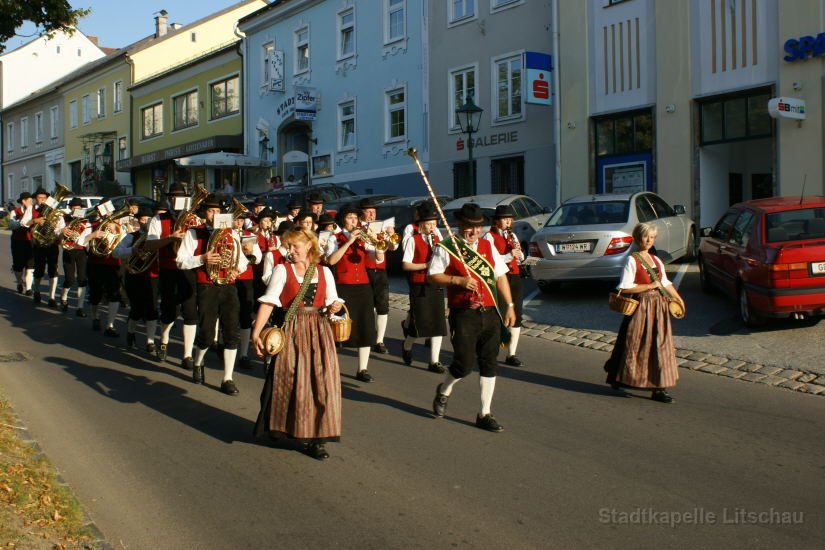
[538,67]
[787,107]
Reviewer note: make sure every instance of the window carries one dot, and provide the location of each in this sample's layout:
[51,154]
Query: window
[85,107]
[101,102]
[346,33]
[152,120]
[193,36]
[10,136]
[507,88]
[396,129]
[321,166]
[644,211]
[122,150]
[225,98]
[10,185]
[461,9]
[73,114]
[724,225]
[346,123]
[302,50]
[266,72]
[53,122]
[186,110]
[117,97]
[500,4]
[38,127]
[396,23]
[741,228]
[624,134]
[463,84]
[507,176]
[663,209]
[734,118]
[24,131]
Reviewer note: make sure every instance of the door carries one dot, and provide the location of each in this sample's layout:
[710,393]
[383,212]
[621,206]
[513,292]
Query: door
[675,226]
[733,258]
[716,253]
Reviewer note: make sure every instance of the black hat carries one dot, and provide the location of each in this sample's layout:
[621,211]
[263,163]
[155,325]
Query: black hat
[284,226]
[305,214]
[75,202]
[504,211]
[145,211]
[266,213]
[212,201]
[325,219]
[40,191]
[366,203]
[131,201]
[471,214]
[347,209]
[294,202]
[259,201]
[176,190]
[315,198]
[23,196]
[426,212]
[158,207]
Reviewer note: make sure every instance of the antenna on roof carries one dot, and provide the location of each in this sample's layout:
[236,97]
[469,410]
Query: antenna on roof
[804,180]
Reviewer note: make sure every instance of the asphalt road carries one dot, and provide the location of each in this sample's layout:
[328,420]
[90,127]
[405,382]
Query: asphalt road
[161,463]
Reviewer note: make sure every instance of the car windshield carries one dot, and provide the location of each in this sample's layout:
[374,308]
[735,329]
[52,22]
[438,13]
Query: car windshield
[795,225]
[589,213]
[450,214]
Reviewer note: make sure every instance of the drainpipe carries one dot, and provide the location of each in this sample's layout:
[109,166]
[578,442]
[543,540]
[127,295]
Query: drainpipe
[556,106]
[242,47]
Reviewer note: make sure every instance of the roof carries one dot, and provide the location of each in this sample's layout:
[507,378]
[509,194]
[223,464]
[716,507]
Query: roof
[778,204]
[484,201]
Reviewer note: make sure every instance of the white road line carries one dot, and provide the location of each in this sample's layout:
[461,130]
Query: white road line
[530,297]
[679,274]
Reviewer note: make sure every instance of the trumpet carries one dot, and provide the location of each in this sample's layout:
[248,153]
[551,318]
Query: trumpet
[381,241]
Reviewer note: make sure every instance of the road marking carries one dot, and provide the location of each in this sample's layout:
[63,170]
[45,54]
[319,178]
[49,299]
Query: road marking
[679,274]
[530,297]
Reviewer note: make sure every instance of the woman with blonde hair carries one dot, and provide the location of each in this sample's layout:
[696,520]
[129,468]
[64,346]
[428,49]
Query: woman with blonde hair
[644,356]
[301,398]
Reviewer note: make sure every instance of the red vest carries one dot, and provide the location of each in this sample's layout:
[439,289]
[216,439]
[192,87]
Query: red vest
[201,275]
[100,260]
[422,254]
[293,285]
[167,254]
[459,297]
[642,278]
[22,233]
[504,247]
[351,269]
[247,275]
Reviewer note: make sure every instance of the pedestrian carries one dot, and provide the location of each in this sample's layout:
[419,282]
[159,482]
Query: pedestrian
[22,255]
[315,203]
[277,183]
[45,257]
[228,189]
[644,356]
[75,234]
[475,285]
[301,398]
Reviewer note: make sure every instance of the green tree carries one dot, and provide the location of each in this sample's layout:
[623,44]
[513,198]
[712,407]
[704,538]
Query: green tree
[49,16]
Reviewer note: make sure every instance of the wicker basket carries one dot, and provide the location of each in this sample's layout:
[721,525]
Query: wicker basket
[341,328]
[622,304]
[273,339]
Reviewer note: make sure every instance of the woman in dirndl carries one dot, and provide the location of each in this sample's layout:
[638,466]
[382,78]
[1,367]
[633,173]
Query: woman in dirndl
[301,398]
[644,356]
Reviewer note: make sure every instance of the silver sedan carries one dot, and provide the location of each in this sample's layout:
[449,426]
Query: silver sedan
[589,237]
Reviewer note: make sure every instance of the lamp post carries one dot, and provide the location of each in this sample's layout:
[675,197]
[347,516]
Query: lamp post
[469,117]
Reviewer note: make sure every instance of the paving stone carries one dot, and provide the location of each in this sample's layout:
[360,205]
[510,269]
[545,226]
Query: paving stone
[531,332]
[733,373]
[713,369]
[582,334]
[772,380]
[567,331]
[683,352]
[807,377]
[595,336]
[692,365]
[791,384]
[734,364]
[528,324]
[609,339]
[769,371]
[603,346]
[698,356]
[753,377]
[579,342]
[751,367]
[813,389]
[552,336]
[555,328]
[716,360]
[820,380]
[567,339]
[791,374]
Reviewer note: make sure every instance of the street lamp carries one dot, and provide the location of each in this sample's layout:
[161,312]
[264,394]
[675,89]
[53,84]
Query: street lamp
[469,117]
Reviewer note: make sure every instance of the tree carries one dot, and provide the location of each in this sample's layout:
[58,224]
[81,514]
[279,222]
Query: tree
[50,16]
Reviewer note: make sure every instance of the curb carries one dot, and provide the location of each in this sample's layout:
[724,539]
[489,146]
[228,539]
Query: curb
[720,365]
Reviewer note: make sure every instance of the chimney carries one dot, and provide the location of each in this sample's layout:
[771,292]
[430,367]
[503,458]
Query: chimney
[160,23]
[92,39]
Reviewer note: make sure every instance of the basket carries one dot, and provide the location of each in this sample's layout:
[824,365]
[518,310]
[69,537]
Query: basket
[341,328]
[622,304]
[273,339]
[677,310]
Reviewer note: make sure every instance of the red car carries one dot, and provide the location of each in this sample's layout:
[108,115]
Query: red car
[770,254]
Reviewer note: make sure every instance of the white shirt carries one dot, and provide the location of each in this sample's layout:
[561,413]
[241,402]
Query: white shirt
[276,285]
[269,264]
[256,250]
[186,253]
[628,277]
[441,259]
[23,221]
[409,245]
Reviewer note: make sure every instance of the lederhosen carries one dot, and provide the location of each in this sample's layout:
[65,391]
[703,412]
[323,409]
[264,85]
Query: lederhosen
[176,286]
[74,261]
[244,288]
[45,257]
[21,244]
[354,288]
[214,302]
[426,299]
[504,247]
[142,289]
[104,276]
[475,328]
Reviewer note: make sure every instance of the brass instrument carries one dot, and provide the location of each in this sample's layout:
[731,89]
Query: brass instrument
[187,219]
[75,228]
[380,241]
[43,234]
[113,233]
[222,241]
[141,258]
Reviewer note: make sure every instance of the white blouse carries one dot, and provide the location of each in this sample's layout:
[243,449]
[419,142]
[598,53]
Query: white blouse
[278,280]
[628,278]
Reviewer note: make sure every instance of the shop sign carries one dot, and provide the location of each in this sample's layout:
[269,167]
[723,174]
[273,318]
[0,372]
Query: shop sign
[804,47]
[305,103]
[787,107]
[285,108]
[487,141]
[538,66]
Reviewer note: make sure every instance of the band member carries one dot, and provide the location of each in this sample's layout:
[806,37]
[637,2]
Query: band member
[306,219]
[315,202]
[141,287]
[507,244]
[277,256]
[45,257]
[176,286]
[267,242]
[22,257]
[75,236]
[244,287]
[326,223]
[257,207]
[346,253]
[292,208]
[377,272]
[104,278]
[426,318]
[216,302]
[301,398]
[474,288]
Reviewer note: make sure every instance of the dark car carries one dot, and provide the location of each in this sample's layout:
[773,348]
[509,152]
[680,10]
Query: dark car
[770,255]
[120,200]
[403,210]
[332,194]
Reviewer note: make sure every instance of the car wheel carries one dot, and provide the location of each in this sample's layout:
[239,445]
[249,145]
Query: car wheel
[703,276]
[549,287]
[749,317]
[690,247]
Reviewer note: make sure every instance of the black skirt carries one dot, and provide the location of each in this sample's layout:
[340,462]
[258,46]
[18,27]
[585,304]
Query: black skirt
[359,302]
[427,316]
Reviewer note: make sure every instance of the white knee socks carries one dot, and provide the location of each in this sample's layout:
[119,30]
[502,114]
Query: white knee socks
[199,354]
[113,307]
[64,294]
[435,348]
[488,386]
[29,277]
[151,327]
[514,334]
[448,383]
[229,356]
[381,327]
[363,357]
[189,332]
[165,330]
[81,297]
[52,287]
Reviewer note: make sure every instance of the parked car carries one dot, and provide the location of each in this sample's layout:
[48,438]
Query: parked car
[770,255]
[589,237]
[119,200]
[333,194]
[88,202]
[402,209]
[530,215]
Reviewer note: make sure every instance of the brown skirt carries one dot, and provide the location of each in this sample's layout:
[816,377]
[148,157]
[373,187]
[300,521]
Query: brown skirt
[644,356]
[301,398]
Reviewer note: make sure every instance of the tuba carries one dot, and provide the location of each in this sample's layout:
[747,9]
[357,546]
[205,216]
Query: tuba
[75,228]
[222,241]
[187,219]
[141,258]
[44,234]
[113,233]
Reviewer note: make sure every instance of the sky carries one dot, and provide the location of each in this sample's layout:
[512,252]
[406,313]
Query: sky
[118,23]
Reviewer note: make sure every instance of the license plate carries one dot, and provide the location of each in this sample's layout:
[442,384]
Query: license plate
[563,248]
[817,268]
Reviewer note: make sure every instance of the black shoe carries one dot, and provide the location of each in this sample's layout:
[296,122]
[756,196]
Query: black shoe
[317,451]
[229,388]
[245,363]
[37,297]
[197,375]
[162,352]
[380,348]
[404,329]
[364,376]
[406,355]
[29,292]
[661,396]
[81,313]
[111,332]
[52,302]
[150,348]
[513,361]
[95,324]
[130,340]
[440,402]
[19,288]
[188,363]
[64,305]
[436,367]
[487,422]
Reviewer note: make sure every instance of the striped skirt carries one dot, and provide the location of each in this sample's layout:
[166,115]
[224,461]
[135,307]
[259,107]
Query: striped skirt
[301,398]
[644,356]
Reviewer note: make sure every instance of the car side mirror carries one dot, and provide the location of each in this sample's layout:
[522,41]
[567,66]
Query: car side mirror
[545,209]
[679,209]
[706,231]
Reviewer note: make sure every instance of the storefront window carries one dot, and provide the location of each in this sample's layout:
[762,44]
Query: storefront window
[735,125]
[712,122]
[736,117]
[624,134]
[759,121]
